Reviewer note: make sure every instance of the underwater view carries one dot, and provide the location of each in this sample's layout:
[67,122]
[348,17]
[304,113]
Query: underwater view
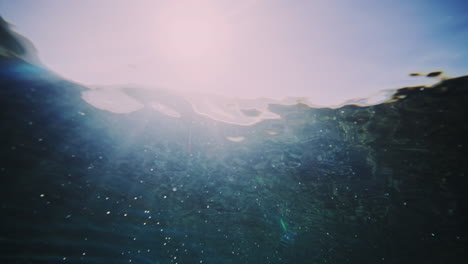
[99,174]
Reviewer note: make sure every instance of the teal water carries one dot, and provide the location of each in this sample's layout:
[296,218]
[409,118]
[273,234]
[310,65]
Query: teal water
[375,184]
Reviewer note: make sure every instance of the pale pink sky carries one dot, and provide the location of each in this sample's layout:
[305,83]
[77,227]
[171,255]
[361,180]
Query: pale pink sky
[329,51]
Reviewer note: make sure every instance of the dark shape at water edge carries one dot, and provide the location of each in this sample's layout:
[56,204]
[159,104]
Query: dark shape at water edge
[431,74]
[14,45]
[8,40]
[434,74]
[415,74]
[377,184]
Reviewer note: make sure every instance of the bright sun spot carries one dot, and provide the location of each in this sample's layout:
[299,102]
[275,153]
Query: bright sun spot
[195,31]
[192,38]
[195,40]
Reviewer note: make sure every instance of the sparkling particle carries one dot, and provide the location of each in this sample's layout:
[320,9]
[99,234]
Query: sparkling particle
[165,196]
[41,195]
[84,253]
[108,212]
[174,189]
[125,214]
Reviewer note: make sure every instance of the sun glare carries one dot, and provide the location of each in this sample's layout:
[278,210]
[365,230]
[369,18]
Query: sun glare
[191,32]
[194,39]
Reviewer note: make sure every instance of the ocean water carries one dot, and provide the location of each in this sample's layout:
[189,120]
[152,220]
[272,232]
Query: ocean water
[156,178]
[357,184]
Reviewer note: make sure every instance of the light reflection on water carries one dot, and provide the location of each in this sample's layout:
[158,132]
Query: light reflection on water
[237,111]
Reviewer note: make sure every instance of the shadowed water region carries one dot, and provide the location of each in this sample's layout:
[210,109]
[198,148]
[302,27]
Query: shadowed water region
[375,184]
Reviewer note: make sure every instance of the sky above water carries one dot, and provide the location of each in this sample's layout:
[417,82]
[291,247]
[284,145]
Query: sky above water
[328,51]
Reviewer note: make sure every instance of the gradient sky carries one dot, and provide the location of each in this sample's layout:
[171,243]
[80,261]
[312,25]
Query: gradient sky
[328,51]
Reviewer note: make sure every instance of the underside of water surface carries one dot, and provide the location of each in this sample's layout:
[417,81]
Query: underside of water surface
[383,183]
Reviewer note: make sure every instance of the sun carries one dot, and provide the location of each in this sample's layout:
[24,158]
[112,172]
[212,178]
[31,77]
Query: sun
[192,32]
[192,38]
